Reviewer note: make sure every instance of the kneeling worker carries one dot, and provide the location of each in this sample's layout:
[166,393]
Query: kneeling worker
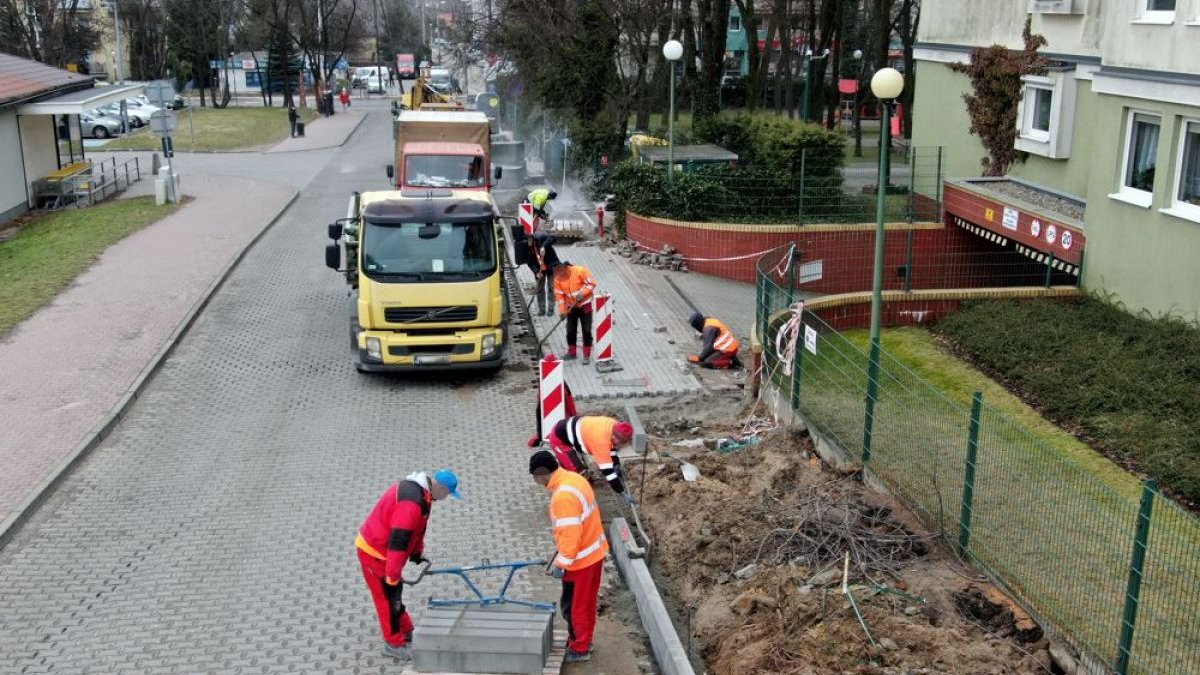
[574,438]
[720,346]
[579,536]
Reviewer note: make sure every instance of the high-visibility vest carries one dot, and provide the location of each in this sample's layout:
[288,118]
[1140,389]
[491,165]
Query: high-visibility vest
[578,530]
[539,197]
[592,434]
[579,279]
[726,342]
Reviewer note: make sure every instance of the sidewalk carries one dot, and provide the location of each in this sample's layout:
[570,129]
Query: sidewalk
[651,334]
[70,370]
[65,370]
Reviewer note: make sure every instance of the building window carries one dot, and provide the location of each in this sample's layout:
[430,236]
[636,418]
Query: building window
[1038,102]
[1046,114]
[1141,158]
[735,24]
[1156,11]
[1186,198]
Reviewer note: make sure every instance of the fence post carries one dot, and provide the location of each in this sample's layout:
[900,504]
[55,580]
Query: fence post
[968,496]
[803,171]
[872,394]
[1049,268]
[908,263]
[1137,568]
[940,186]
[912,180]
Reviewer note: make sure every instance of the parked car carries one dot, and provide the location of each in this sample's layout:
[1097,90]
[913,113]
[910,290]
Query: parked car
[99,126]
[137,115]
[440,80]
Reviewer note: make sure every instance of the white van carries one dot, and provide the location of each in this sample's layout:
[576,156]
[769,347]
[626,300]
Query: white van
[374,78]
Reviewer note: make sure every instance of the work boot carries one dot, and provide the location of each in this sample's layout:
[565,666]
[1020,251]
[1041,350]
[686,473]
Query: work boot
[587,355]
[570,356]
[577,657]
[402,652]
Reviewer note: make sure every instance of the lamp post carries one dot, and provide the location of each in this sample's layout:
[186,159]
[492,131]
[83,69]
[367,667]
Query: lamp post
[858,58]
[886,84]
[808,78]
[673,51]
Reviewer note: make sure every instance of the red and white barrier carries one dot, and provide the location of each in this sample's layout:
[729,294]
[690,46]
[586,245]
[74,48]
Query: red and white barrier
[602,315]
[525,216]
[551,394]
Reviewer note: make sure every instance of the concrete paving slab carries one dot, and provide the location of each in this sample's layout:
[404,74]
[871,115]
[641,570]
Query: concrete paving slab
[483,639]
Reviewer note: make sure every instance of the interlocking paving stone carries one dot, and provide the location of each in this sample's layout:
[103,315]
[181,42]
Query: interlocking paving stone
[213,530]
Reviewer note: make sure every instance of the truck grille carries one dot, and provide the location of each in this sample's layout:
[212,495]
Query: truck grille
[429,314]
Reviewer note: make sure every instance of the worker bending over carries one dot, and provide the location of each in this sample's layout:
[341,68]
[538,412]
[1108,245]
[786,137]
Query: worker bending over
[538,198]
[574,438]
[393,534]
[542,259]
[579,537]
[720,346]
[573,288]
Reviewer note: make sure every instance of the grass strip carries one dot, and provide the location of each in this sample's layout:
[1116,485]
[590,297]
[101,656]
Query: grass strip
[218,130]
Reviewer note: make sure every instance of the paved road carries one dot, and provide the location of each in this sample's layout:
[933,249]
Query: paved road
[213,531]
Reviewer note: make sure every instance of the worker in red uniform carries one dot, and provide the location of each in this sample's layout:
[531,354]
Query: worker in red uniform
[574,438]
[720,346]
[573,288]
[392,535]
[579,538]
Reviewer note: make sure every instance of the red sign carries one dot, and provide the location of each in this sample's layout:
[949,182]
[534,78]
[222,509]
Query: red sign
[603,160]
[1034,230]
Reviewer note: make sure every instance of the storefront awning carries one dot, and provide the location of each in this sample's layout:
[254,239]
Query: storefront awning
[76,102]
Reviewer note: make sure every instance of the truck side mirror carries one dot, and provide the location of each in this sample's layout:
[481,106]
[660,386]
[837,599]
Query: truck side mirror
[333,256]
[498,172]
[391,171]
[335,231]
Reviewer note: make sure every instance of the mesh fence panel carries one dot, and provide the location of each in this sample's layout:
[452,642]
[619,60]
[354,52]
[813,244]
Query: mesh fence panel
[1057,536]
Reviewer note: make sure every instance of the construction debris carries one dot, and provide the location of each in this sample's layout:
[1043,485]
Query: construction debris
[667,258]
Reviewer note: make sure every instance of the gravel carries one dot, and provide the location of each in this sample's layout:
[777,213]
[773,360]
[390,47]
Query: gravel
[1039,198]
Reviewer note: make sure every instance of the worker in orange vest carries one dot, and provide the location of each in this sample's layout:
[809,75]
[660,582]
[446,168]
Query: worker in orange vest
[573,288]
[719,348]
[574,438]
[579,537]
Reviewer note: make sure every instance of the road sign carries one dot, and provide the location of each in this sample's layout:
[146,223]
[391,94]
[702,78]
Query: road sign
[162,122]
[160,93]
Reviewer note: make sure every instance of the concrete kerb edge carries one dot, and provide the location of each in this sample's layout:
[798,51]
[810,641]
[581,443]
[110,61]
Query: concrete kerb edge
[12,524]
[668,650]
[361,119]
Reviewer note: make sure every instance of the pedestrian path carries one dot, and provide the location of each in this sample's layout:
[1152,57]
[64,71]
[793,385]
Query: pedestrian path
[323,132]
[652,337]
[66,369]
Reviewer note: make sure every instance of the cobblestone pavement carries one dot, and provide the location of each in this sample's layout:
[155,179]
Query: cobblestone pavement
[64,369]
[213,531]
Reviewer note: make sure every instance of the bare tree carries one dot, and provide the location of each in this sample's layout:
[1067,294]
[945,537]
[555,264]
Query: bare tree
[51,31]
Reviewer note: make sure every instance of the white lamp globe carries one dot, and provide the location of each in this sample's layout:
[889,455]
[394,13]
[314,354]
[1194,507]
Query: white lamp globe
[673,50]
[887,83]
[858,54]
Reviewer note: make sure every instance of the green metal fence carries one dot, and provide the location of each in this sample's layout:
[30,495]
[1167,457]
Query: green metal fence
[1110,564]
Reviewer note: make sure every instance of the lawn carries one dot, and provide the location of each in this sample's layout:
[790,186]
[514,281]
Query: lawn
[217,130]
[49,251]
[1050,516]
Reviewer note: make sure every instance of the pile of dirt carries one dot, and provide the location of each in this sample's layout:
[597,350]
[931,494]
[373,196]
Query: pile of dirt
[756,548]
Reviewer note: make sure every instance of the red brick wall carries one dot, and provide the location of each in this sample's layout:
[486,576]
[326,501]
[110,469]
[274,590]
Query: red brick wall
[895,313]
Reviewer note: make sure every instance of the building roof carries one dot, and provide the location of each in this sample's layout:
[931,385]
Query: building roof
[23,79]
[702,152]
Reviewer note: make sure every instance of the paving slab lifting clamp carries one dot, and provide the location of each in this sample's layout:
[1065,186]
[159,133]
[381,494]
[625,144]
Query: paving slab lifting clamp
[480,598]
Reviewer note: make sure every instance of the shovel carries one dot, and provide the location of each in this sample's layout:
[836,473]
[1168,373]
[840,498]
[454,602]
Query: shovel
[690,471]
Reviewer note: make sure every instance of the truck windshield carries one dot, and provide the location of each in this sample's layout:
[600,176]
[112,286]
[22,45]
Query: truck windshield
[406,252]
[444,171]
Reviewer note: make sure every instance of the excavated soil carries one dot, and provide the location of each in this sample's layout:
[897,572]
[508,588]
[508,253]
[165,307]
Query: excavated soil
[756,547]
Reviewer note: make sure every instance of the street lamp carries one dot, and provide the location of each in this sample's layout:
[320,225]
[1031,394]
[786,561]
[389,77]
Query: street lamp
[858,58]
[673,51]
[808,78]
[886,84]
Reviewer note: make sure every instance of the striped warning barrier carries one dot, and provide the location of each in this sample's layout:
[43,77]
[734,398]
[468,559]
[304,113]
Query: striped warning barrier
[525,216]
[551,393]
[602,313]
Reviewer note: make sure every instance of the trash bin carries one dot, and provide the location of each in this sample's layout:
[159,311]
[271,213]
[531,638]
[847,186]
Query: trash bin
[300,129]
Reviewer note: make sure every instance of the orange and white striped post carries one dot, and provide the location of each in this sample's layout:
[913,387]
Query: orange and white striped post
[551,394]
[525,216]
[602,311]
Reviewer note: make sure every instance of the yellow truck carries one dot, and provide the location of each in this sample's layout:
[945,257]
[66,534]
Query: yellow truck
[428,283]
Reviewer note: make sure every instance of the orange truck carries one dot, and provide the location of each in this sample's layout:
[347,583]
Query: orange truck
[442,149]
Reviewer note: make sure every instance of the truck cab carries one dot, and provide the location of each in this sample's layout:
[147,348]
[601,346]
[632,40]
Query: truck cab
[427,280]
[442,149]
